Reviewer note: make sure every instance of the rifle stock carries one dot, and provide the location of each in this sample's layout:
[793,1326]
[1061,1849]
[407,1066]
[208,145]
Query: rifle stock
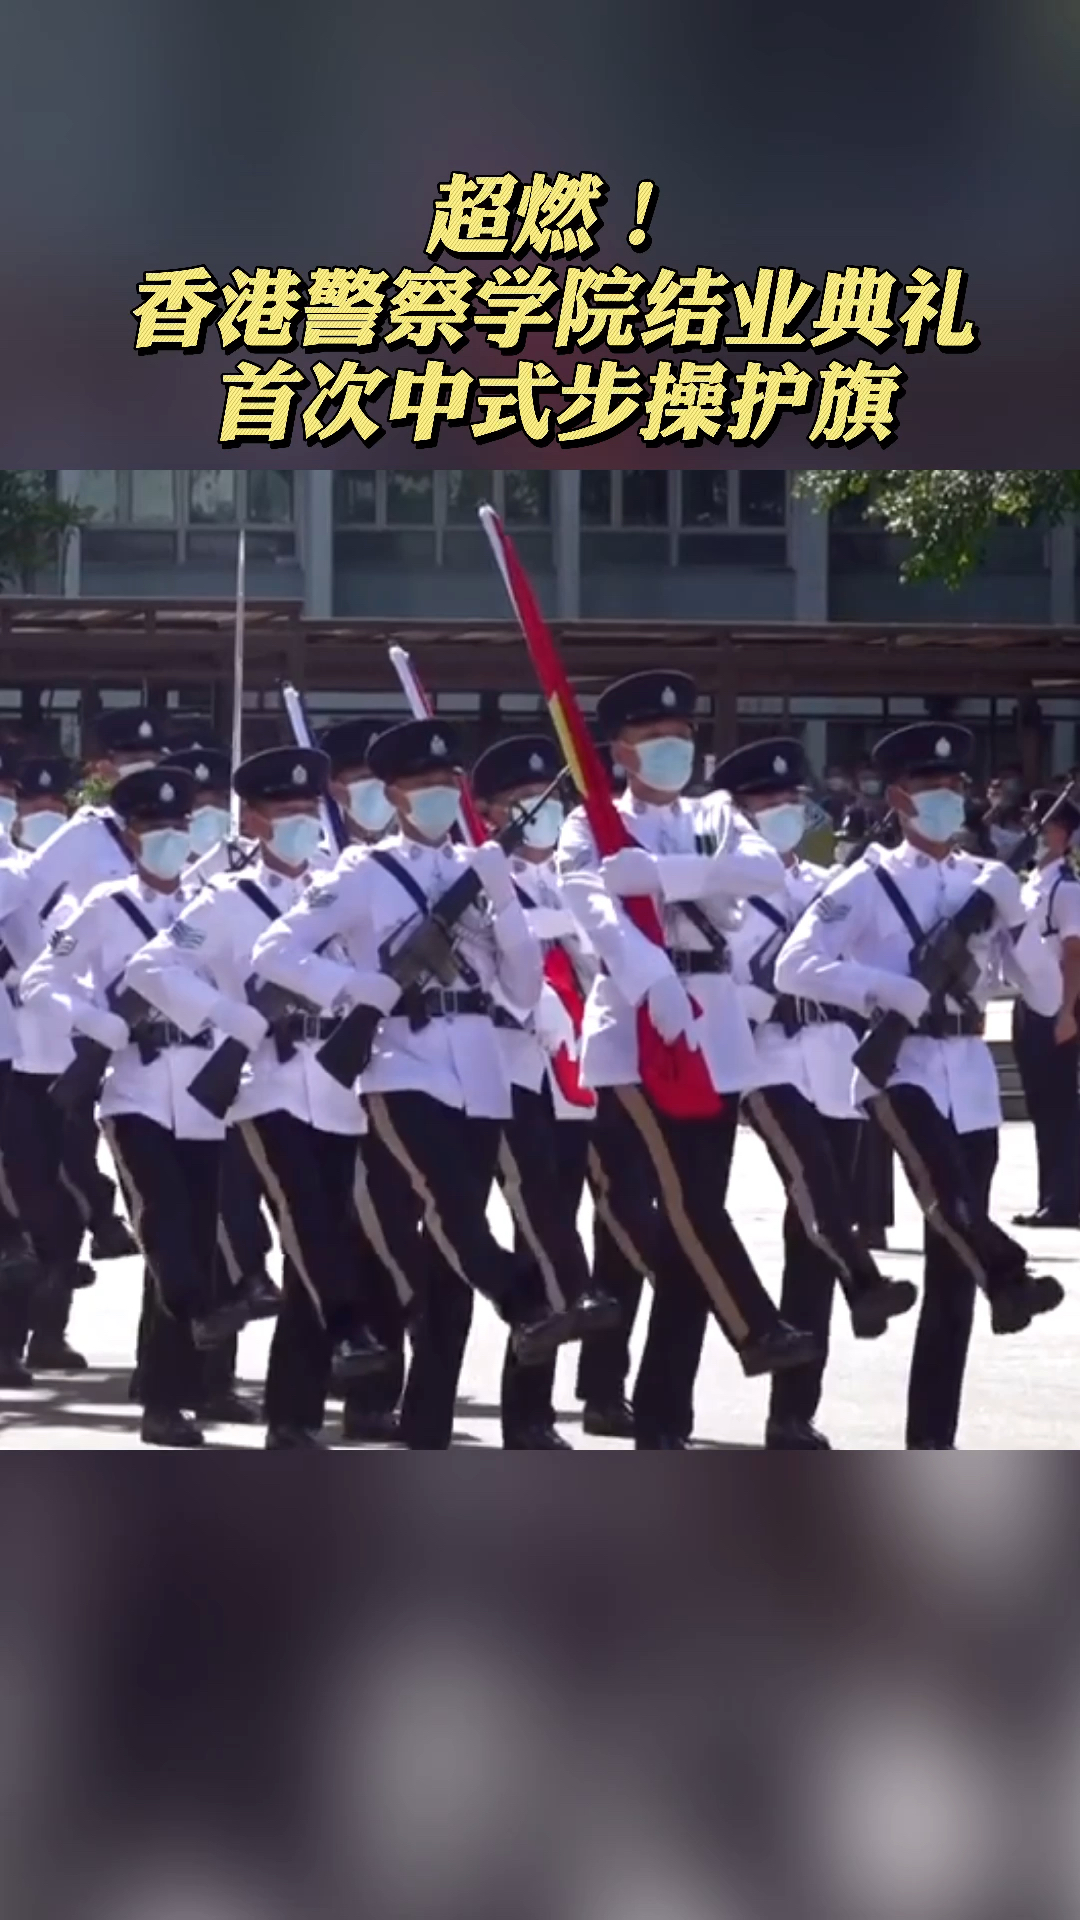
[80,1083]
[878,1052]
[217,1082]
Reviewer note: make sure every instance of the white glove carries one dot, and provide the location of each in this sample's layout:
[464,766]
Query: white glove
[106,1028]
[631,871]
[492,868]
[671,1012]
[240,1022]
[907,996]
[1003,887]
[370,990]
[552,1024]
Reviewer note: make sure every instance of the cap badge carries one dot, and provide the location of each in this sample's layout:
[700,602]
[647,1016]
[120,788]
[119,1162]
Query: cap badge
[299,775]
[146,731]
[668,698]
[536,764]
[202,772]
[942,748]
[45,778]
[779,765]
[167,792]
[438,746]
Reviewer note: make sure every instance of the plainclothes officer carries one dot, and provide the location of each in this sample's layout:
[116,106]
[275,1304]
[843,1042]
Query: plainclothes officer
[1046,1045]
[361,796]
[941,1108]
[543,1153]
[436,1087]
[298,1126]
[167,1149]
[801,1104]
[684,852]
[371,1405]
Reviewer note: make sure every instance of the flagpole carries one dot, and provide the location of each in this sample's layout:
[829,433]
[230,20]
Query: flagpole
[238,669]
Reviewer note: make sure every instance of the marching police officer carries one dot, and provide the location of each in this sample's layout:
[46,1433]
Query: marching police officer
[543,1154]
[684,854]
[299,1128]
[436,1084]
[800,1103]
[941,1105]
[1047,1046]
[167,1149]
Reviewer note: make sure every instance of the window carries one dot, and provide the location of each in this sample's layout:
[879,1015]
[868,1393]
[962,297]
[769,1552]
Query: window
[211,497]
[410,499]
[429,519]
[693,518]
[156,517]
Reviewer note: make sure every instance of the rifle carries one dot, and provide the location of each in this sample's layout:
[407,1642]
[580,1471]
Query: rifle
[674,1074]
[217,1082]
[943,964]
[423,950]
[80,1083]
[558,968]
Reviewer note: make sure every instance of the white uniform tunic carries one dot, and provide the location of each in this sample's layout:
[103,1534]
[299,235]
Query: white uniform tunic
[542,1033]
[852,947]
[743,864]
[196,972]
[41,1040]
[1051,898]
[69,981]
[817,1059]
[80,855]
[456,1058]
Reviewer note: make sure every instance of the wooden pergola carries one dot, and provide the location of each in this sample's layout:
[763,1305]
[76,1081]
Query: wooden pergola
[89,644]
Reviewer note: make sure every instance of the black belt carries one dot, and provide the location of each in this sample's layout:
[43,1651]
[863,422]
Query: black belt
[155,1035]
[439,1002]
[298,1027]
[952,1026]
[819,1013]
[684,961]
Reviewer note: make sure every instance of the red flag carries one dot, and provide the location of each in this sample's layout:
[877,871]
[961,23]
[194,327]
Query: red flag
[675,1075]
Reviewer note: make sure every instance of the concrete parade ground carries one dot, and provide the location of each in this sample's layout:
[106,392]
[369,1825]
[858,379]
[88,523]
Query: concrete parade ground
[1022,1392]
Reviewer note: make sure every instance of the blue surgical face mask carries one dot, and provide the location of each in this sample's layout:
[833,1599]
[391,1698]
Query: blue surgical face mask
[296,838]
[542,830]
[7,811]
[939,814]
[434,810]
[209,825]
[369,806]
[666,763]
[783,826]
[36,828]
[164,851]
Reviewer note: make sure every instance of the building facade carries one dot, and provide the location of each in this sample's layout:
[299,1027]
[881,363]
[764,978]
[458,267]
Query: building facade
[601,547]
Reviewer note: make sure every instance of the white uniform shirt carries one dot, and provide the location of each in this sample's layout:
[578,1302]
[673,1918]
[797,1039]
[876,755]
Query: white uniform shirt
[817,1059]
[852,942]
[530,1062]
[203,959]
[70,979]
[1051,898]
[744,863]
[79,856]
[455,1058]
[41,1041]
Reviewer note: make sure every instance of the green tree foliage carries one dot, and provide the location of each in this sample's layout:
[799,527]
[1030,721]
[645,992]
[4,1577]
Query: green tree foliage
[32,521]
[948,513]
